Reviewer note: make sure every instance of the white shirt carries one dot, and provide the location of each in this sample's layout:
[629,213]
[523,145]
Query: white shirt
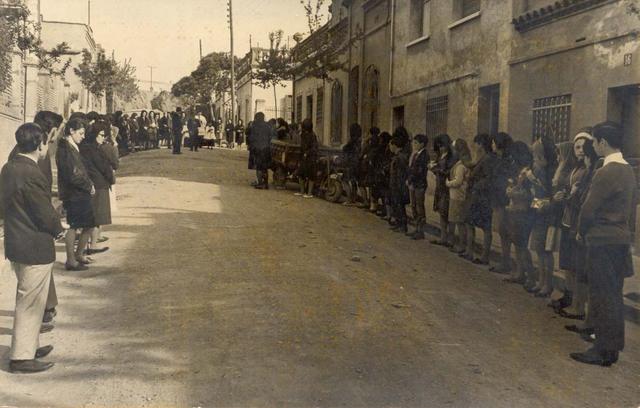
[614,158]
[28,157]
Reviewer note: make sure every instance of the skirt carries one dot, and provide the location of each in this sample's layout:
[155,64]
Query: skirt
[101,207]
[458,211]
[538,240]
[113,199]
[480,213]
[79,213]
[519,224]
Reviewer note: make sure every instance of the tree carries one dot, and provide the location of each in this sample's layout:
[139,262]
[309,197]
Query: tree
[274,67]
[313,12]
[19,34]
[105,76]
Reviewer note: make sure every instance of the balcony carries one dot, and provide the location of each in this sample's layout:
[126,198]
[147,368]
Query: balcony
[556,11]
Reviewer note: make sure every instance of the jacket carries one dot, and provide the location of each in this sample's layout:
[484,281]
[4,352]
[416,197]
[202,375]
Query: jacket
[418,170]
[74,182]
[607,215]
[30,221]
[98,166]
[261,135]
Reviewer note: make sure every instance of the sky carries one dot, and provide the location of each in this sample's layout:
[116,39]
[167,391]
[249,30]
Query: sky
[165,33]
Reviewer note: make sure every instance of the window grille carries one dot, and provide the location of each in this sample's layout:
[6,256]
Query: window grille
[552,118]
[299,109]
[336,113]
[319,107]
[437,115]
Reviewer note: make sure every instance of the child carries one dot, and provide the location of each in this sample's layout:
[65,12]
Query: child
[418,183]
[398,178]
[457,184]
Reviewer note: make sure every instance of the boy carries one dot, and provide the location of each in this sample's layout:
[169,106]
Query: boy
[418,183]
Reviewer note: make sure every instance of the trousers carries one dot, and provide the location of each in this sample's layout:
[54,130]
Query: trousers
[607,267]
[52,297]
[31,299]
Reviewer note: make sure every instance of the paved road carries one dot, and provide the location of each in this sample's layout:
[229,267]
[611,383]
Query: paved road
[215,294]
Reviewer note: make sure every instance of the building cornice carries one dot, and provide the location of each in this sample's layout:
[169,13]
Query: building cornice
[554,12]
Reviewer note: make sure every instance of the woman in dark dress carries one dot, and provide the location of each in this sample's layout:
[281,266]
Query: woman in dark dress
[309,152]
[75,190]
[480,206]
[367,171]
[282,129]
[102,175]
[143,127]
[441,169]
[382,162]
[398,176]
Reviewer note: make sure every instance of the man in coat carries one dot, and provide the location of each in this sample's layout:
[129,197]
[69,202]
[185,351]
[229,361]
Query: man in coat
[606,224]
[176,128]
[31,224]
[418,165]
[261,135]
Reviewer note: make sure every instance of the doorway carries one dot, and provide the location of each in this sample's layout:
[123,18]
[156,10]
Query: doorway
[398,117]
[623,107]
[489,109]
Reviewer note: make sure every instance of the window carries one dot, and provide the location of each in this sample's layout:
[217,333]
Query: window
[489,109]
[309,107]
[469,7]
[420,18]
[354,94]
[336,113]
[552,117]
[437,116]
[319,108]
[299,109]
[370,101]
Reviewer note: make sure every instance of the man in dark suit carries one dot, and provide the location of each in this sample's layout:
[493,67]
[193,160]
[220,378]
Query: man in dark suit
[176,128]
[605,225]
[31,224]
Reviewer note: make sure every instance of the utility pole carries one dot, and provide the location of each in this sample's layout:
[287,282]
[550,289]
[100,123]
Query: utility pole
[200,49]
[233,72]
[151,72]
[89,13]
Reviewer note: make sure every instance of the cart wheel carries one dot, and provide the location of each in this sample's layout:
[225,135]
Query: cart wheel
[279,176]
[334,190]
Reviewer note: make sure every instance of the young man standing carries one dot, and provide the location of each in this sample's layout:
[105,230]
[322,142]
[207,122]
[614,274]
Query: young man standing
[418,164]
[31,224]
[605,225]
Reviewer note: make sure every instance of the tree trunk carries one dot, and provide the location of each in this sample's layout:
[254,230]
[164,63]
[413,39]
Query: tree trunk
[275,99]
[109,98]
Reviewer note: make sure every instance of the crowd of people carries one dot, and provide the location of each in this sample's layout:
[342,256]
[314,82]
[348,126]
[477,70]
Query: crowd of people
[86,156]
[574,200]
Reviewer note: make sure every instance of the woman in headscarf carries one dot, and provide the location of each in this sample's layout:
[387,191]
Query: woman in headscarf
[458,203]
[143,127]
[351,154]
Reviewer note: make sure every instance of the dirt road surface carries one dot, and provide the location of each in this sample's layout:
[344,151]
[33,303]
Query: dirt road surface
[218,295]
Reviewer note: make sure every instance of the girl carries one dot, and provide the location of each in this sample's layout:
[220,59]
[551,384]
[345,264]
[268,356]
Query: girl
[441,169]
[457,184]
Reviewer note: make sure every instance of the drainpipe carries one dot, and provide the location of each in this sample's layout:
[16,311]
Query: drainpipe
[391,56]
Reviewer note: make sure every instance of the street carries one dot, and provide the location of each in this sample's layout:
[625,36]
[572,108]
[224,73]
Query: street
[217,294]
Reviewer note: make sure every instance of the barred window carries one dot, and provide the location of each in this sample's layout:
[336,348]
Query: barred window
[299,109]
[552,118]
[437,115]
[319,107]
[336,113]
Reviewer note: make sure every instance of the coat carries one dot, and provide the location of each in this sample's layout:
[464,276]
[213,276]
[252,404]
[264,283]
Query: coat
[74,182]
[441,196]
[418,170]
[399,172]
[30,221]
[98,166]
[261,135]
[309,151]
[480,213]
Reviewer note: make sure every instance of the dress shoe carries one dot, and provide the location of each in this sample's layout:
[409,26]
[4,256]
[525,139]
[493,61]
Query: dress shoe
[577,329]
[102,239]
[567,315]
[29,366]
[588,337]
[500,269]
[478,261]
[76,268]
[84,261]
[44,351]
[595,357]
[260,187]
[46,327]
[49,314]
[92,251]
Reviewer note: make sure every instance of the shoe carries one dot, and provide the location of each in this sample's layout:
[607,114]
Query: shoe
[567,315]
[594,357]
[76,268]
[260,187]
[580,330]
[589,338]
[466,257]
[438,242]
[49,314]
[478,261]
[298,194]
[46,327]
[85,261]
[541,294]
[500,269]
[418,237]
[307,196]
[29,366]
[533,289]
[520,280]
[456,250]
[92,251]
[103,239]
[44,351]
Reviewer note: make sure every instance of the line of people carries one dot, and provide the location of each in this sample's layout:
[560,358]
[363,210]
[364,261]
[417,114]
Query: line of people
[576,199]
[85,151]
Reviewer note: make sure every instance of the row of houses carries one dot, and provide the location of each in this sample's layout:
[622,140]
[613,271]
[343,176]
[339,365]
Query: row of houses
[527,67]
[33,89]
